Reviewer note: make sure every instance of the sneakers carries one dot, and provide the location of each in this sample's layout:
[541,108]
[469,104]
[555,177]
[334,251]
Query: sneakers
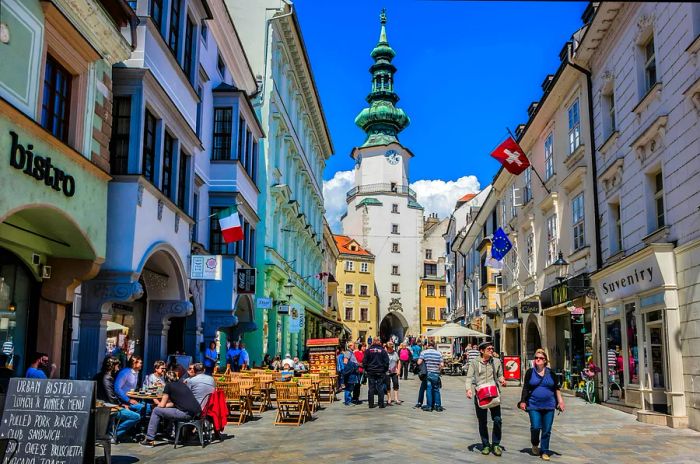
[426,408]
[382,406]
[535,450]
[545,457]
[418,406]
[439,409]
[485,450]
[497,450]
[371,406]
[148,443]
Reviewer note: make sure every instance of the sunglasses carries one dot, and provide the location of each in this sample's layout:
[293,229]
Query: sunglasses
[540,357]
[490,348]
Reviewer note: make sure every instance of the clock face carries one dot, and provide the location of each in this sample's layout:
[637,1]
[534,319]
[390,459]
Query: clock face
[392,156]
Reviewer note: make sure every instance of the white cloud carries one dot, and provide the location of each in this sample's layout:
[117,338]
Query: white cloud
[439,196]
[334,191]
[436,196]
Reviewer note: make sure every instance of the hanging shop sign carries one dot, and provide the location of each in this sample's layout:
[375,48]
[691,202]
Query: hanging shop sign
[511,321]
[568,290]
[205,267]
[294,326]
[283,309]
[245,281]
[39,167]
[263,302]
[530,307]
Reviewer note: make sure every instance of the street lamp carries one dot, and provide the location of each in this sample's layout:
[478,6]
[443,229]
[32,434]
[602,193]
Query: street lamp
[483,302]
[563,266]
[288,287]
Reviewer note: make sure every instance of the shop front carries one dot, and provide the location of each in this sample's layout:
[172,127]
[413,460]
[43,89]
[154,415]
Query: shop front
[639,324]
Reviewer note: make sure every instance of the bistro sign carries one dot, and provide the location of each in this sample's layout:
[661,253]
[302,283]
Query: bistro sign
[40,167]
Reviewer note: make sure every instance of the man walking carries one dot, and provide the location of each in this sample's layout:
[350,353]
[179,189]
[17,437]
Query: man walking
[376,365]
[472,352]
[433,362]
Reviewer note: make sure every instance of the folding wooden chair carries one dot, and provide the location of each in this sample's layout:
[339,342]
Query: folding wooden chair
[313,400]
[236,402]
[326,390]
[292,409]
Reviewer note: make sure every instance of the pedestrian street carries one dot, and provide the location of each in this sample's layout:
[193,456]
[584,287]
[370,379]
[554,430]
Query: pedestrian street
[585,433]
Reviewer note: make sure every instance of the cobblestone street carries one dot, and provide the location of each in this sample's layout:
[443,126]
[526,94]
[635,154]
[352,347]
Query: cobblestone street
[583,434]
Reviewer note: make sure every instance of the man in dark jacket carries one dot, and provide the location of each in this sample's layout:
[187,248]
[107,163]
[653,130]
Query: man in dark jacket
[125,417]
[376,365]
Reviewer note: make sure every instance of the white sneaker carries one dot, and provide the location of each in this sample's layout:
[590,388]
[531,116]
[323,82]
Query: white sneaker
[535,450]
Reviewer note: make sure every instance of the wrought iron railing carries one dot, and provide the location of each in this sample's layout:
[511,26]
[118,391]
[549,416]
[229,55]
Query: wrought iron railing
[382,188]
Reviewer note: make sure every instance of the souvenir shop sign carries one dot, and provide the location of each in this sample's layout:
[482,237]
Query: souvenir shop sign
[49,419]
[245,281]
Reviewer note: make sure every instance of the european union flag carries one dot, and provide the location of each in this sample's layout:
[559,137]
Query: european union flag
[500,245]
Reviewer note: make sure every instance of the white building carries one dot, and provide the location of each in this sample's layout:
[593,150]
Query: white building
[383,214]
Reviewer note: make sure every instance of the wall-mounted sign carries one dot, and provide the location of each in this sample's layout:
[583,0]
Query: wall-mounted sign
[643,275]
[283,309]
[568,290]
[205,267]
[576,310]
[245,281]
[40,167]
[263,302]
[530,307]
[511,320]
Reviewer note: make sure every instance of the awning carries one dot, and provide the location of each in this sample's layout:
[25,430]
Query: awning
[455,330]
[329,322]
[114,326]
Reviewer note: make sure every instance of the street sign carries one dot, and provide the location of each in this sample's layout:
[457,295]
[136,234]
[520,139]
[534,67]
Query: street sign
[205,267]
[245,281]
[264,302]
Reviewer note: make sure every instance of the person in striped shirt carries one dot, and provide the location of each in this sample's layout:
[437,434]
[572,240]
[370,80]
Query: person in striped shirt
[433,363]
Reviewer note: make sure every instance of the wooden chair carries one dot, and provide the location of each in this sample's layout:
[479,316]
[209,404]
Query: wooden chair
[236,402]
[247,388]
[265,385]
[326,390]
[292,409]
[313,400]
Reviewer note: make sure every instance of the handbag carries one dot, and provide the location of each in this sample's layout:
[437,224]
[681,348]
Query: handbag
[422,371]
[487,394]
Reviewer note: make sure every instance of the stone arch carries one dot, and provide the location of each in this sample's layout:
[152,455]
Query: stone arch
[162,262]
[533,338]
[394,323]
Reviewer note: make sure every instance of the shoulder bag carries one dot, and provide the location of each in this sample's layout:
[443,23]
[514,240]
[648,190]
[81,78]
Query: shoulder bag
[530,390]
[487,394]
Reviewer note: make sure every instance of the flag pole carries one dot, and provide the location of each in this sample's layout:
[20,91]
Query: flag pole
[531,165]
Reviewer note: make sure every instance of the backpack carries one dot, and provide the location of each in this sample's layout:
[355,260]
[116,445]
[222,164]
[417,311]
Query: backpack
[404,355]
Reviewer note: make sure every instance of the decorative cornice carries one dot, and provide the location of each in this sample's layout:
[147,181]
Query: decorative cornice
[651,139]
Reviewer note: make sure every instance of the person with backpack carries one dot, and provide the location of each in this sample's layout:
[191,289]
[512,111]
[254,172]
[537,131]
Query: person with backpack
[484,379]
[540,396]
[405,357]
[349,375]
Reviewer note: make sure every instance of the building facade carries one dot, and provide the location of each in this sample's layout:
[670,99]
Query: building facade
[646,102]
[295,151]
[433,302]
[383,214]
[55,126]
[357,297]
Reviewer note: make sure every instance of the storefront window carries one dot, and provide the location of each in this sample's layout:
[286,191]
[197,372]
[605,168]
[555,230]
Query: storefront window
[615,363]
[16,287]
[125,332]
[632,346]
[657,372]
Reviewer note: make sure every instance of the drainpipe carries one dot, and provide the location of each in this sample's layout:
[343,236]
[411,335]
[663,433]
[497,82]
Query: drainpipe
[594,165]
[260,93]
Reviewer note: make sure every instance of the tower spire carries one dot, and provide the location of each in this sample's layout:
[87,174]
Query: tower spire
[382,121]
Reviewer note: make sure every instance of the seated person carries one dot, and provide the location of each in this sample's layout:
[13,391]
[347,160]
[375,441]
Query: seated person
[277,363]
[288,361]
[298,365]
[178,403]
[201,384]
[157,378]
[104,380]
[127,380]
[38,367]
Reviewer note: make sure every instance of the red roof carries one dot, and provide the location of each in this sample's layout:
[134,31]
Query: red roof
[466,197]
[345,243]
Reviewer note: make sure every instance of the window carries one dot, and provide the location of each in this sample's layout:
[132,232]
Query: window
[395,208]
[119,143]
[156,12]
[188,58]
[443,314]
[530,252]
[578,221]
[182,181]
[551,239]
[220,65]
[166,181]
[430,290]
[195,217]
[240,151]
[659,200]
[609,114]
[394,270]
[254,162]
[364,314]
[349,265]
[616,229]
[217,245]
[393,187]
[149,147]
[649,64]
[429,269]
[203,32]
[395,248]
[428,254]
[364,267]
[527,191]
[55,107]
[443,291]
[431,314]
[394,228]
[363,290]
[548,156]
[574,127]
[174,36]
[349,316]
[394,288]
[221,147]
[348,289]
[199,111]
[513,201]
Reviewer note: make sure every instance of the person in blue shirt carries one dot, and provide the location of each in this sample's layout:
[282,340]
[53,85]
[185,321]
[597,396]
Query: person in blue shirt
[127,380]
[38,366]
[211,356]
[233,356]
[243,357]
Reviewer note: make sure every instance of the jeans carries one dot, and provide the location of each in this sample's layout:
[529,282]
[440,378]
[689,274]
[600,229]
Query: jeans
[541,420]
[433,390]
[356,392]
[163,413]
[126,419]
[482,415]
[349,387]
[405,365]
[421,390]
[376,387]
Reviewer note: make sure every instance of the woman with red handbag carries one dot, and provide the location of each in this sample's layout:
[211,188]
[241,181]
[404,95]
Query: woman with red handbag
[484,379]
[541,394]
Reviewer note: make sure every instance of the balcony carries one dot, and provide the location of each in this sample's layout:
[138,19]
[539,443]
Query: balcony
[381,188]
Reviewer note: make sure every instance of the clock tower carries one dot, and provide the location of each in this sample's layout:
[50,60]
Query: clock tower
[383,214]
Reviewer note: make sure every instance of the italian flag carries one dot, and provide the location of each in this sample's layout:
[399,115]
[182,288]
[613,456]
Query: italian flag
[230,224]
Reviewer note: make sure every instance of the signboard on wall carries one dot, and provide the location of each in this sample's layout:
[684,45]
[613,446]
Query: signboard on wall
[530,307]
[205,267]
[294,326]
[245,281]
[511,367]
[263,302]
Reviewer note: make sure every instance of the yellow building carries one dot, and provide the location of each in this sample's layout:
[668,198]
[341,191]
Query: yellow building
[357,299]
[433,302]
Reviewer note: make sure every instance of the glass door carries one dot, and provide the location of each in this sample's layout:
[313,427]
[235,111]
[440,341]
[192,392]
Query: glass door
[656,352]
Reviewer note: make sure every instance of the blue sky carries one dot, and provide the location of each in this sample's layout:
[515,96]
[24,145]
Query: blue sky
[466,71]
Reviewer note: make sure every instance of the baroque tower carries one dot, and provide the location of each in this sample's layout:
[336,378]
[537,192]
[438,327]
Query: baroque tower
[383,214]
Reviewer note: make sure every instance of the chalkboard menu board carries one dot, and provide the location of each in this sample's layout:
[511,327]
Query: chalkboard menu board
[49,419]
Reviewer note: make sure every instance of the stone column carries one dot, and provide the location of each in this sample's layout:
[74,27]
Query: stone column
[159,314]
[50,336]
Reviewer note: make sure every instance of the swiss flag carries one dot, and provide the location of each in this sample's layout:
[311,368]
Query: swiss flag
[511,156]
